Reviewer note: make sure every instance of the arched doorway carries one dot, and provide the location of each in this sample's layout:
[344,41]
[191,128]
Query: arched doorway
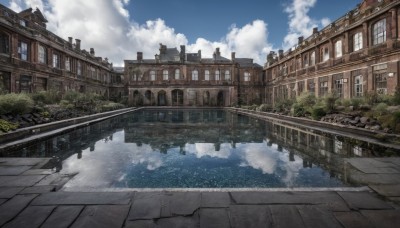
[137,98]
[149,98]
[206,98]
[162,98]
[220,99]
[177,97]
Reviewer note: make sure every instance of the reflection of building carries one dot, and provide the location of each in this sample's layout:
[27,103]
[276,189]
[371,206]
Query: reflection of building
[178,78]
[34,59]
[355,54]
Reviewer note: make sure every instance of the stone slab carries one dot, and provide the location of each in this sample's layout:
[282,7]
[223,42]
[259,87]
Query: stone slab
[352,219]
[103,216]
[214,218]
[383,218]
[331,199]
[13,170]
[32,216]
[377,179]
[39,172]
[372,165]
[317,216]
[62,217]
[12,207]
[38,189]
[22,161]
[180,203]
[140,224]
[179,222]
[250,216]
[215,199]
[146,205]
[19,181]
[9,192]
[391,190]
[363,200]
[286,216]
[84,198]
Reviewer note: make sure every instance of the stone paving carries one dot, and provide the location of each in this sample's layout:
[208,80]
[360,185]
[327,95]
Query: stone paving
[30,197]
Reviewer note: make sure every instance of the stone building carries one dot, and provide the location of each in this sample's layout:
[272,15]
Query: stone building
[34,59]
[356,54]
[175,78]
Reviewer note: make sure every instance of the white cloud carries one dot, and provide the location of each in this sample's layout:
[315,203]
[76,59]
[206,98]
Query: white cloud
[300,24]
[108,27]
[208,149]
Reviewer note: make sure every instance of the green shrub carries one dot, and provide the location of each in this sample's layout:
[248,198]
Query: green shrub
[306,99]
[371,97]
[356,102]
[396,97]
[317,112]
[283,105]
[13,103]
[346,102]
[46,97]
[329,103]
[110,106]
[381,109]
[297,110]
[6,126]
[264,108]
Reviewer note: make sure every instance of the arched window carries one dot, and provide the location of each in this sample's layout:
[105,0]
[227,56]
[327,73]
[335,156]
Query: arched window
[206,75]
[152,75]
[177,74]
[4,43]
[312,59]
[227,75]
[338,49]
[246,76]
[165,74]
[379,32]
[217,75]
[195,75]
[42,54]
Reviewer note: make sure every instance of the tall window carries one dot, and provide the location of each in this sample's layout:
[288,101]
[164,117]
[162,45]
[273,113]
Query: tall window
[165,74]
[312,58]
[22,50]
[323,86]
[305,61]
[358,86]
[338,84]
[206,75]
[379,32]
[67,64]
[311,85]
[217,75]
[4,44]
[195,75]
[42,54]
[152,75]
[56,60]
[357,41]
[380,75]
[177,74]
[338,49]
[325,54]
[78,68]
[246,76]
[227,75]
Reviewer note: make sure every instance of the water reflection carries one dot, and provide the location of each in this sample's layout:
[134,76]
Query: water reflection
[198,148]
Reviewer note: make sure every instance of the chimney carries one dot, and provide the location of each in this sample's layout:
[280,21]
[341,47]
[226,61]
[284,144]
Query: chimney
[315,30]
[163,49]
[139,56]
[301,38]
[280,54]
[78,44]
[233,55]
[183,53]
[199,54]
[217,52]
[70,40]
[92,51]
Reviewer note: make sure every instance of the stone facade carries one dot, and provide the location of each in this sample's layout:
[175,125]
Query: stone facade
[175,78]
[356,54]
[34,59]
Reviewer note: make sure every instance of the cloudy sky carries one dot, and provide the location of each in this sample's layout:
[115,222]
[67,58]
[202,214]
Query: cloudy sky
[117,29]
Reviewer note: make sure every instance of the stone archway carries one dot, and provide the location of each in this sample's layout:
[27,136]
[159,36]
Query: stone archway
[206,98]
[177,97]
[162,98]
[220,98]
[149,98]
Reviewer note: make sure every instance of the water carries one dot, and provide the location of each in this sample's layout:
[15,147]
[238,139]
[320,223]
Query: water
[198,149]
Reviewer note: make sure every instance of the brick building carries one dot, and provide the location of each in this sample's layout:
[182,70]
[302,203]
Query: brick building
[34,59]
[356,54]
[178,78]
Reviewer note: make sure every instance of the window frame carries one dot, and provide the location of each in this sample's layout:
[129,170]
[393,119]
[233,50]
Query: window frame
[42,57]
[206,75]
[357,41]
[379,32]
[165,75]
[195,75]
[338,49]
[23,50]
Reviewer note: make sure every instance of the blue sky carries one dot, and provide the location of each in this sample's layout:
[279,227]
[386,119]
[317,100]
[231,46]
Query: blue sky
[117,29]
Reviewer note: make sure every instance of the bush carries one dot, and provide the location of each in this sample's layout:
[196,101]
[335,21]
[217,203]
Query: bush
[396,97]
[283,105]
[381,109]
[297,110]
[317,112]
[356,102]
[307,100]
[264,108]
[110,106]
[13,103]
[6,126]
[329,103]
[46,97]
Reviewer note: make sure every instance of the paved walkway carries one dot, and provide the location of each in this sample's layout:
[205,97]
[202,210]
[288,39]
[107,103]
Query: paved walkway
[30,197]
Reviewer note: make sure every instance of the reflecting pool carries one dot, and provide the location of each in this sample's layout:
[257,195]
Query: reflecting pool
[198,148]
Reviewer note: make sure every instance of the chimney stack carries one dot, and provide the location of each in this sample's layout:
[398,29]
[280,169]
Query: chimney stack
[70,40]
[217,52]
[183,53]
[233,56]
[139,56]
[199,54]
[78,44]
[92,51]
[301,38]
[315,30]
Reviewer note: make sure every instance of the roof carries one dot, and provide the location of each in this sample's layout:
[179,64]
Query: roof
[171,54]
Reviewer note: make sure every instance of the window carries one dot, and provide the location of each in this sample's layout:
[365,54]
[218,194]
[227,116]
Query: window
[56,60]
[246,76]
[358,86]
[23,50]
[285,69]
[325,54]
[338,84]
[357,41]
[78,68]
[42,54]
[338,49]
[165,74]
[22,22]
[177,74]
[300,87]
[206,75]
[305,61]
[311,85]
[4,44]
[217,78]
[380,75]
[227,75]
[195,75]
[312,58]
[323,86]
[379,32]
[152,75]
[67,64]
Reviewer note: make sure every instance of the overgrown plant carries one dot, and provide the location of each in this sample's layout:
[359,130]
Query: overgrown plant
[15,104]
